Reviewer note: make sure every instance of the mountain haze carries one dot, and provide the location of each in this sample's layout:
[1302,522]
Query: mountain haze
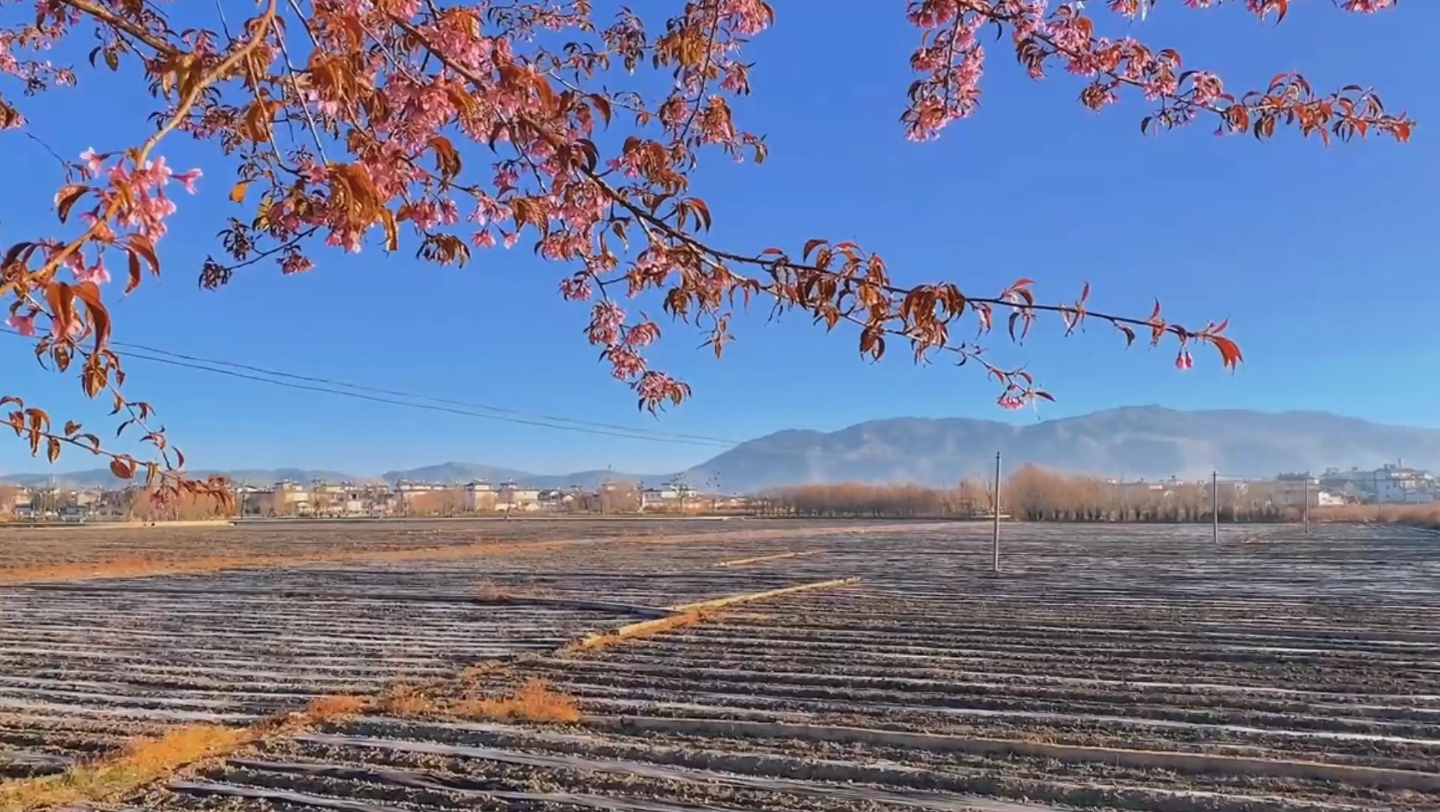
[1134,442]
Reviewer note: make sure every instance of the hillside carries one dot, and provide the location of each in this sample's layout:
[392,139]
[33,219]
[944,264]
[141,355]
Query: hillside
[1134,442]
[443,472]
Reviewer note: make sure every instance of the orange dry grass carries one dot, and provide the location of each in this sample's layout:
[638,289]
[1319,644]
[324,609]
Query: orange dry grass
[644,628]
[1427,516]
[150,759]
[740,562]
[136,566]
[692,613]
[142,762]
[326,708]
[405,700]
[489,593]
[533,701]
[474,673]
[182,745]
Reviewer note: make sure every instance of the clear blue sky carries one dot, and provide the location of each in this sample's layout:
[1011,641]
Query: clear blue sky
[1322,259]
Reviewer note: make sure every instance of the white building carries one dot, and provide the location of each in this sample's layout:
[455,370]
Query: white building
[1404,486]
[1388,484]
[512,496]
[479,497]
[674,494]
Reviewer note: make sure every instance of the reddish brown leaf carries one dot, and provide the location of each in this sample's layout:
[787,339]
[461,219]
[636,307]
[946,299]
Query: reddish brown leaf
[66,198]
[122,469]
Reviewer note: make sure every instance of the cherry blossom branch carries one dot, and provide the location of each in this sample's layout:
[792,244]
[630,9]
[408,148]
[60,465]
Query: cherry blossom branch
[922,327]
[33,424]
[397,86]
[121,23]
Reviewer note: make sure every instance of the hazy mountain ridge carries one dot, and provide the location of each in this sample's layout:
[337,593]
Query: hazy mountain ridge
[1133,442]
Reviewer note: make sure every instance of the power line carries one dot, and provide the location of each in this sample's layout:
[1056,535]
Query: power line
[374,394]
[437,404]
[396,393]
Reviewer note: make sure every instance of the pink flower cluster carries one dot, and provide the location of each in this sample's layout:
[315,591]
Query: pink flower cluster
[136,193]
[42,32]
[951,61]
[133,199]
[25,325]
[1264,7]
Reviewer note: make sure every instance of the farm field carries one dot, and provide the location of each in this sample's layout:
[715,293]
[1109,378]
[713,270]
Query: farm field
[1140,668]
[67,552]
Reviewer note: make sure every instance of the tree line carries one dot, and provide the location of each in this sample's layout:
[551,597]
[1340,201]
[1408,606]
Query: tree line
[1033,493]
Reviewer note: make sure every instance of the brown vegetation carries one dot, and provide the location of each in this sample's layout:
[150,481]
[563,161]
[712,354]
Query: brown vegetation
[449,502]
[1427,516]
[533,701]
[142,762]
[406,700]
[1032,493]
[877,501]
[8,494]
[144,506]
[131,566]
[630,631]
[690,614]
[762,559]
[339,706]
[620,497]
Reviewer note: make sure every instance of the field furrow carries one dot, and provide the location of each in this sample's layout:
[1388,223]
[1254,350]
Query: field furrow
[1139,668]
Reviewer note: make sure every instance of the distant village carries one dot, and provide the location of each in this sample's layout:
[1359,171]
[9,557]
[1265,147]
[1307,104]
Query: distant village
[320,499]
[1391,484]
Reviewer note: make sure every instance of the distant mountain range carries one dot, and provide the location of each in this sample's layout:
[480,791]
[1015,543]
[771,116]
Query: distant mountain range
[1135,442]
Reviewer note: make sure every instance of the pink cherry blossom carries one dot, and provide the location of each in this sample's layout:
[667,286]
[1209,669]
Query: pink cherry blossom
[396,117]
[96,273]
[92,160]
[187,179]
[25,325]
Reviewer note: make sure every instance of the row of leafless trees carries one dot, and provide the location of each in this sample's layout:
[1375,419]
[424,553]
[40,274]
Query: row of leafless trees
[139,504]
[1031,493]
[852,499]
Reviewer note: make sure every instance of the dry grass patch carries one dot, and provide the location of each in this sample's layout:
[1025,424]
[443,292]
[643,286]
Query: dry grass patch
[138,566]
[326,708]
[533,701]
[490,593]
[143,761]
[483,671]
[644,628]
[691,614]
[147,760]
[1427,516]
[760,559]
[407,700]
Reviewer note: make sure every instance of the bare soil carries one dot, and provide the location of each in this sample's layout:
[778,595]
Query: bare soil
[1138,668]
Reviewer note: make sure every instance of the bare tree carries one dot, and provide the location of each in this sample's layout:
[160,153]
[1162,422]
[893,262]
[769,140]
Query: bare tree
[1031,493]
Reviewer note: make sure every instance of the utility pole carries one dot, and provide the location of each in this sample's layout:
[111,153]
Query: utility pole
[1305,511]
[1122,496]
[995,532]
[1215,507]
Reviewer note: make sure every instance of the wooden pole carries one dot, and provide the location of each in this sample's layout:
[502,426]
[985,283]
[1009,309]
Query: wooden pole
[995,531]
